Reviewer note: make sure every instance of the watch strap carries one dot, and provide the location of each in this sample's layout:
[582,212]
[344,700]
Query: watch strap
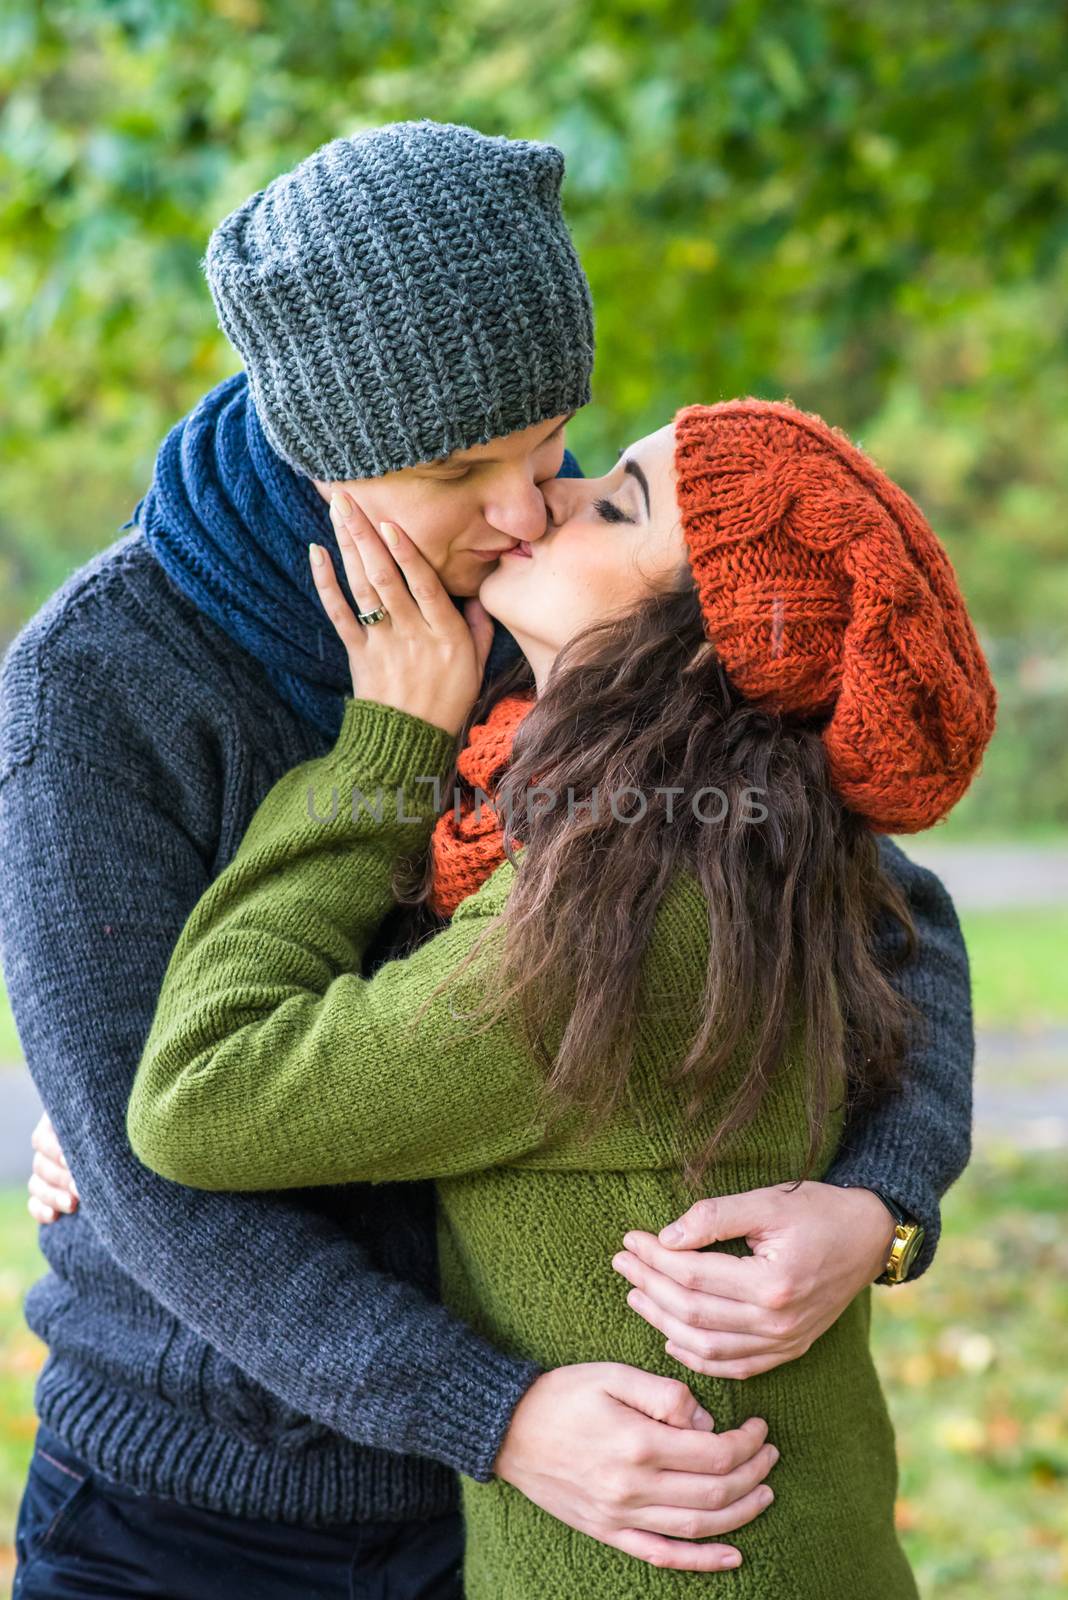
[898,1213]
[908,1235]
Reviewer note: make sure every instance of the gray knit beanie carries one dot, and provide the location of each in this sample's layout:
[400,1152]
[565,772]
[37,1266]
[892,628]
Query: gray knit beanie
[402,294]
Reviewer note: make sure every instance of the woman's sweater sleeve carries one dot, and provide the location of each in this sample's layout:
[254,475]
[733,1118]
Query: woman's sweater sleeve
[271,1062]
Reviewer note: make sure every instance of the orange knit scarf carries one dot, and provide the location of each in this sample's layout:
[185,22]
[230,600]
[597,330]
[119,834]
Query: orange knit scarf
[467,844]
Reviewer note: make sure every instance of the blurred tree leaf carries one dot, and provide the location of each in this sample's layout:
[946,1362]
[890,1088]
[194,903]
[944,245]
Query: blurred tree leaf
[862,207]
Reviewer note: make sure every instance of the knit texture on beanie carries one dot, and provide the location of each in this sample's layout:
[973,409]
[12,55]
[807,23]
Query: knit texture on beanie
[826,593]
[404,293]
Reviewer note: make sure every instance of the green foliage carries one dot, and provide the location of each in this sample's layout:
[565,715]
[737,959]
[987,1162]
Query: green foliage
[863,207]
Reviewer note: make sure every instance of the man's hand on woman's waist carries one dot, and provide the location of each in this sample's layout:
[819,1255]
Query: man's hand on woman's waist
[630,1459]
[815,1247]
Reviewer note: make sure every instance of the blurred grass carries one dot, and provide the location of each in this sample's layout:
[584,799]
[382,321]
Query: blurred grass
[967,1354]
[10,1049]
[21,1355]
[977,1389]
[1018,962]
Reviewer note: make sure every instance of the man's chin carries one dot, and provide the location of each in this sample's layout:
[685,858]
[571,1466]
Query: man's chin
[464,583]
[467,575]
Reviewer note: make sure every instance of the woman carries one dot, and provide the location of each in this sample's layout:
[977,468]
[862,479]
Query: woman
[745,653]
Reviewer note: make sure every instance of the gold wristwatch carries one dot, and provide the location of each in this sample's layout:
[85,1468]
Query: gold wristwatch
[907,1241]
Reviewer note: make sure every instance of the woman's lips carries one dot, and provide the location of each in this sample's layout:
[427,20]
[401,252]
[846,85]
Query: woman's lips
[521,549]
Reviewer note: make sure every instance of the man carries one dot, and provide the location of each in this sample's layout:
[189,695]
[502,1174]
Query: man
[261,1396]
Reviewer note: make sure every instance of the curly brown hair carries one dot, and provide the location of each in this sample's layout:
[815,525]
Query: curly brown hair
[792,881]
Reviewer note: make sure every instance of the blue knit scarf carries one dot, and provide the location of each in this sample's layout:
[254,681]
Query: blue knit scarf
[230,523]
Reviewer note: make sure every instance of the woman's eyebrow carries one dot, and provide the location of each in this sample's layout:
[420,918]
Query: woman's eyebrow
[632,467]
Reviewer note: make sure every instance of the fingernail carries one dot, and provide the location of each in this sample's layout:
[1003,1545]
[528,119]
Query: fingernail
[339,503]
[774,1455]
[389,533]
[672,1235]
[733,1560]
[65,1202]
[316,554]
[701,1418]
[766,1496]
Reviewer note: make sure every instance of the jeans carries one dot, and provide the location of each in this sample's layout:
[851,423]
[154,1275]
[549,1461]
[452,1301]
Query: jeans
[79,1535]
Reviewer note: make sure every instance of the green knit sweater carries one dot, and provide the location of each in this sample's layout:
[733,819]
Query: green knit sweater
[271,1063]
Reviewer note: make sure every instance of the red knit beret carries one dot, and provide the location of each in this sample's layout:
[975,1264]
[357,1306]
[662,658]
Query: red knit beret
[826,593]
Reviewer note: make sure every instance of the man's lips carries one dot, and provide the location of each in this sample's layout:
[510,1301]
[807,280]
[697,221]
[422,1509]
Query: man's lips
[495,554]
[520,549]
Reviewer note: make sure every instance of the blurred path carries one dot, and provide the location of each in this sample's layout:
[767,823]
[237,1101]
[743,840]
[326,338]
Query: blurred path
[19,1111]
[1021,1098]
[1021,1089]
[990,877]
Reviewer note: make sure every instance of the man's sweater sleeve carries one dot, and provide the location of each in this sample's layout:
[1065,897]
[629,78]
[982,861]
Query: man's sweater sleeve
[87,924]
[915,1144]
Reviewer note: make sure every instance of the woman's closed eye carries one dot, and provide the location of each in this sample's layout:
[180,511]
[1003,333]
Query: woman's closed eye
[610,512]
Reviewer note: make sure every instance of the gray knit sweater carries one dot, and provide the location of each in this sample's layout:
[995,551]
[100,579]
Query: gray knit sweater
[269,1356]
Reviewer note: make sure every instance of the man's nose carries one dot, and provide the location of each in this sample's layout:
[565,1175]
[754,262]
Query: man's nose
[521,513]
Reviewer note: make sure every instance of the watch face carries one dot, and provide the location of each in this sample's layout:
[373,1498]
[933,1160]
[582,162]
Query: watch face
[911,1250]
